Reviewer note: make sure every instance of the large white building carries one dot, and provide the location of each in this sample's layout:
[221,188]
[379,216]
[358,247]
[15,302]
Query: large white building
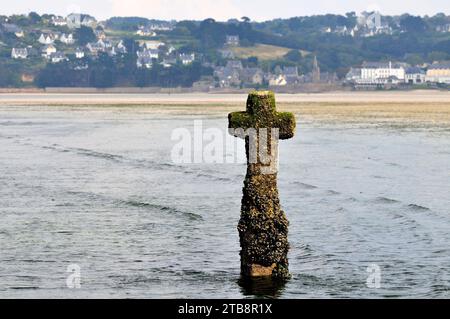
[381,73]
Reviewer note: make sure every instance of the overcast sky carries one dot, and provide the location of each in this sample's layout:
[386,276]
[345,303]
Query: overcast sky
[221,9]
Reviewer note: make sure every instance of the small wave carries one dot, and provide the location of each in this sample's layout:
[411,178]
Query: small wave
[418,208]
[332,192]
[386,200]
[304,185]
[161,208]
[216,178]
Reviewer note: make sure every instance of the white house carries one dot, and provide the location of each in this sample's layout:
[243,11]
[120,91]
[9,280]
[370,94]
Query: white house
[153,45]
[76,20]
[67,39]
[380,73]
[58,57]
[121,48]
[96,47]
[144,62]
[161,27]
[232,40]
[148,53]
[48,50]
[19,53]
[47,38]
[187,59]
[443,28]
[79,53]
[414,75]
[277,80]
[145,32]
[59,21]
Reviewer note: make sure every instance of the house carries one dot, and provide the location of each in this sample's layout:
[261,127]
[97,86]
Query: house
[59,21]
[162,26]
[47,38]
[145,32]
[414,75]
[19,53]
[153,45]
[121,48]
[342,30]
[144,62]
[88,21]
[106,43]
[438,73]
[27,77]
[67,39]
[187,59]
[73,20]
[232,40]
[148,53]
[168,62]
[277,80]
[234,64]
[292,76]
[252,76]
[12,28]
[79,53]
[76,20]
[443,28]
[381,72]
[48,50]
[227,76]
[353,75]
[100,34]
[96,47]
[58,57]
[170,50]
[227,54]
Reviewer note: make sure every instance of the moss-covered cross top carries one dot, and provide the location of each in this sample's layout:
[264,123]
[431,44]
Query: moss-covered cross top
[261,113]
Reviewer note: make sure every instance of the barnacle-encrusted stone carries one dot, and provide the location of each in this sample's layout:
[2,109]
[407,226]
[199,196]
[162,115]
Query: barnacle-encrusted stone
[263,227]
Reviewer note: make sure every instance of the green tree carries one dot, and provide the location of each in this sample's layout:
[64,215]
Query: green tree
[84,35]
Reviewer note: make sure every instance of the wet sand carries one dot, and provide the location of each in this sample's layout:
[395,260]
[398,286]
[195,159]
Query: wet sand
[429,108]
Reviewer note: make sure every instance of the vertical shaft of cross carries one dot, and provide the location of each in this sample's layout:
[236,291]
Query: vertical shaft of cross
[263,226]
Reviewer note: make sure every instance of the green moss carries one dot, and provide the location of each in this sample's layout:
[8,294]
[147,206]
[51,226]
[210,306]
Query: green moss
[263,227]
[261,102]
[239,120]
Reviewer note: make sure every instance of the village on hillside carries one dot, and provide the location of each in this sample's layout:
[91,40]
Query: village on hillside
[51,47]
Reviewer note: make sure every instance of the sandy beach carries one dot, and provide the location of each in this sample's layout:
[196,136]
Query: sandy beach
[429,108]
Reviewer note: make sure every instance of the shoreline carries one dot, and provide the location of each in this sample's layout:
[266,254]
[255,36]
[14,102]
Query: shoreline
[400,109]
[75,99]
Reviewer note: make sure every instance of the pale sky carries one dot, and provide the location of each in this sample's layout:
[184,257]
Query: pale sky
[221,9]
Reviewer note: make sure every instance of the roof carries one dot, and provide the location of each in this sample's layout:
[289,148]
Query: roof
[414,70]
[440,66]
[380,65]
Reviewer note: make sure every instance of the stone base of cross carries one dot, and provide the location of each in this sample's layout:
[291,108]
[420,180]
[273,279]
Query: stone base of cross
[263,227]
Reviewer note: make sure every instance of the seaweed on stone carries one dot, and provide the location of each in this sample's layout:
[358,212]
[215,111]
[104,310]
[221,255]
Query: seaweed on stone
[263,226]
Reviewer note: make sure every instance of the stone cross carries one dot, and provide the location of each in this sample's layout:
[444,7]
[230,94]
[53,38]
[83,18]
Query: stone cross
[263,227]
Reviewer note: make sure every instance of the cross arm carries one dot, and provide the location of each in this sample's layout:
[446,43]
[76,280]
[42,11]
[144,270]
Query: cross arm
[238,123]
[286,124]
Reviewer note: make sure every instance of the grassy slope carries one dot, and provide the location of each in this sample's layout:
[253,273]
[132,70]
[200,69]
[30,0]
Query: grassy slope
[262,52]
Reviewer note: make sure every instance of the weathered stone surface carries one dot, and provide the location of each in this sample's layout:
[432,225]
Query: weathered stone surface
[263,227]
